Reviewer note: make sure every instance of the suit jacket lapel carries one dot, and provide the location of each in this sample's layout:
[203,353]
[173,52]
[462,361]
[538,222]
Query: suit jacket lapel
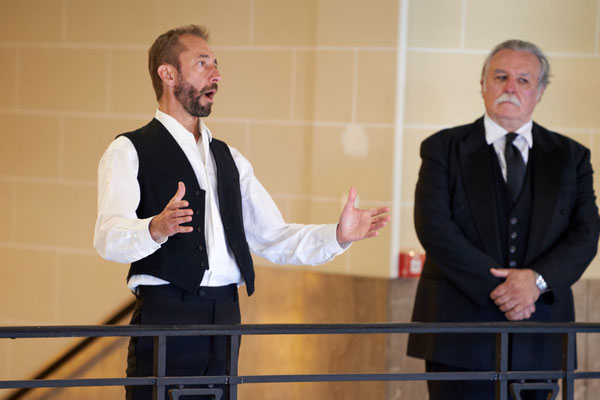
[547,163]
[477,173]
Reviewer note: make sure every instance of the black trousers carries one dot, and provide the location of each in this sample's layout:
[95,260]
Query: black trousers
[200,355]
[468,390]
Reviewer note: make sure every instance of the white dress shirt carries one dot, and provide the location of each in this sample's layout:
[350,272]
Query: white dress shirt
[494,134]
[120,236]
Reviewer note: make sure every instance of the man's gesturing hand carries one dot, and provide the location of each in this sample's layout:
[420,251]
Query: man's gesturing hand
[356,224]
[169,221]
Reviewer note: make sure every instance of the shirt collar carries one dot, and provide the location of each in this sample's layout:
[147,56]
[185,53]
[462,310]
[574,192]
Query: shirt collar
[177,130]
[493,131]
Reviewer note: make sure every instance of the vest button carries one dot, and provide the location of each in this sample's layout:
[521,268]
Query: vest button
[512,263]
[512,249]
[198,193]
[197,212]
[513,221]
[199,229]
[203,264]
[513,235]
[201,248]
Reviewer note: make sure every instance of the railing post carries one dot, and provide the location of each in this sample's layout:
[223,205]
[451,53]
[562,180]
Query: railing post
[159,366]
[501,365]
[568,389]
[233,356]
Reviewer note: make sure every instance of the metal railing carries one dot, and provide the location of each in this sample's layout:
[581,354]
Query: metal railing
[502,376]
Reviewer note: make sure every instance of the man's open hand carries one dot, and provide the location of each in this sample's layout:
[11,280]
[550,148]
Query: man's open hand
[356,224]
[169,221]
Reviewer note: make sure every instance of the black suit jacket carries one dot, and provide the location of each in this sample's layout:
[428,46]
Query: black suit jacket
[457,223]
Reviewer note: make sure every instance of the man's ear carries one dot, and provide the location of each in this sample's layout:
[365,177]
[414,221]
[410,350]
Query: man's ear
[168,74]
[540,92]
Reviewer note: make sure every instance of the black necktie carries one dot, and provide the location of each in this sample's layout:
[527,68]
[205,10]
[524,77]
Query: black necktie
[515,166]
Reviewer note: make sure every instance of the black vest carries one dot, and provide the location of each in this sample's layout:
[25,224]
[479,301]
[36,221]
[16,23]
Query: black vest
[513,217]
[183,259]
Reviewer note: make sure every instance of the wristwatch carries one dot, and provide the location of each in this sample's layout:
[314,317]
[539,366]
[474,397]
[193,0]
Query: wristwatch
[541,283]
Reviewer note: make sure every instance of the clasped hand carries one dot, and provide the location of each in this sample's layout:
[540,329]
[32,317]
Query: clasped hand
[516,296]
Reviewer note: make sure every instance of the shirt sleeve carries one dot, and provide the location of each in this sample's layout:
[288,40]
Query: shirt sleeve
[119,234]
[269,236]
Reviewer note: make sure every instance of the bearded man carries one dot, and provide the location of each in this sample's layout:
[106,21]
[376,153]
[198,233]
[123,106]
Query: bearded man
[186,210]
[506,211]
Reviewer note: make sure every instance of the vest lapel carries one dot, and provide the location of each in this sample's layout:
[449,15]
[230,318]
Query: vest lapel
[477,172]
[547,166]
[230,207]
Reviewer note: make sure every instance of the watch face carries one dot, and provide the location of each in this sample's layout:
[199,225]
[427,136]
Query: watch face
[541,283]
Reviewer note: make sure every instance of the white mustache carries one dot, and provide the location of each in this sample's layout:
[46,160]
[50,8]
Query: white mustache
[511,98]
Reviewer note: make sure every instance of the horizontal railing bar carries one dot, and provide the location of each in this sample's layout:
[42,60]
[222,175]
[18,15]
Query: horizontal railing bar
[54,383]
[131,381]
[485,376]
[433,376]
[292,329]
[537,375]
[512,375]
[584,375]
[193,380]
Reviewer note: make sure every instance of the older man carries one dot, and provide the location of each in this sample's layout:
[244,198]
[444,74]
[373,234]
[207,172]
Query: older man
[185,210]
[506,212]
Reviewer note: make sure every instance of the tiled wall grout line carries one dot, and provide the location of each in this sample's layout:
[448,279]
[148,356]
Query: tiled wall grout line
[463,24]
[57,286]
[354,106]
[61,147]
[49,248]
[13,212]
[49,181]
[108,77]
[597,38]
[64,31]
[251,20]
[17,77]
[294,87]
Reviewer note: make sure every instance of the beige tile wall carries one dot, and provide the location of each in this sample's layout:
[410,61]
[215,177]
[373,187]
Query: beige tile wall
[308,94]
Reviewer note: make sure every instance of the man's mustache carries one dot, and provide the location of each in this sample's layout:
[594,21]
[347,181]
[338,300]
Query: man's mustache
[506,97]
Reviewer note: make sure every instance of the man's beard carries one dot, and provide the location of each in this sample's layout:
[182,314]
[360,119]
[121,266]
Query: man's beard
[189,97]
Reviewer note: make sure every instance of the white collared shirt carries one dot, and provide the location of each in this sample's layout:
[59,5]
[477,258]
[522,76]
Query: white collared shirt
[494,134]
[120,236]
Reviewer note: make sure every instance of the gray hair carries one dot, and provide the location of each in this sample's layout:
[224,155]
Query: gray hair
[521,45]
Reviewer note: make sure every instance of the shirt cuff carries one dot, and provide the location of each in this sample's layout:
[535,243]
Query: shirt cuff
[331,244]
[145,239]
